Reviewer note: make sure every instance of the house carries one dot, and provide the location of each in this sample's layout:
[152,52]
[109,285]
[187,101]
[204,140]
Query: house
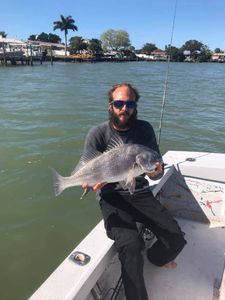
[40,47]
[218,57]
[11,45]
[159,55]
[156,55]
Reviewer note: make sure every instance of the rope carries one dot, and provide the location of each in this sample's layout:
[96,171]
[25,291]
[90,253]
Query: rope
[167,76]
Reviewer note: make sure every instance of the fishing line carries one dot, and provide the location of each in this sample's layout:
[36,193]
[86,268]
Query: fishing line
[167,76]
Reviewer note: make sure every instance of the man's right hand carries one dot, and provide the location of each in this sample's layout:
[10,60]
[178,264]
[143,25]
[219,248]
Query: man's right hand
[96,187]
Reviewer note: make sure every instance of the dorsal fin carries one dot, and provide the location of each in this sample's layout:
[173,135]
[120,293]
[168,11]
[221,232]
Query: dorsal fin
[85,158]
[114,142]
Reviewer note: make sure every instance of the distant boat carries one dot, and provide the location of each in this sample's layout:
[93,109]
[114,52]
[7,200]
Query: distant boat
[193,189]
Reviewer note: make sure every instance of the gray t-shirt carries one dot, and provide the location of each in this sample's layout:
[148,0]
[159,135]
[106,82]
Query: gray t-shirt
[99,137]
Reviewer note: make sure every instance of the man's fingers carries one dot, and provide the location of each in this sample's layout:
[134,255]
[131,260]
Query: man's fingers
[98,186]
[157,171]
[84,185]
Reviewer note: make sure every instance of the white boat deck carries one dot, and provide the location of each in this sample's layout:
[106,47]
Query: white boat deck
[200,268]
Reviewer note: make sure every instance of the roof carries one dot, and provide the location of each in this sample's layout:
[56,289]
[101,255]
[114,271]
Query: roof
[39,43]
[158,52]
[218,54]
[10,40]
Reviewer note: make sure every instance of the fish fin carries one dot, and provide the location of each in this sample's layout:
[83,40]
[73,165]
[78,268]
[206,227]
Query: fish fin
[130,181]
[86,191]
[123,184]
[114,142]
[128,185]
[58,182]
[131,185]
[85,158]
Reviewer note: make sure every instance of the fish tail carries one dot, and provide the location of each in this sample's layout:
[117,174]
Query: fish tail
[59,182]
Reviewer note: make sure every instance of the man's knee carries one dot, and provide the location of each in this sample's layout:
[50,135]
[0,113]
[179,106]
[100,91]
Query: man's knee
[166,249]
[127,240]
[178,242]
[131,249]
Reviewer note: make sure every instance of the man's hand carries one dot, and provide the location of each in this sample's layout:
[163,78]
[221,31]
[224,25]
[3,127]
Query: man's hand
[96,187]
[158,170]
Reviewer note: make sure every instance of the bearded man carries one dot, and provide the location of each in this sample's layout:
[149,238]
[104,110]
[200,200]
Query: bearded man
[120,209]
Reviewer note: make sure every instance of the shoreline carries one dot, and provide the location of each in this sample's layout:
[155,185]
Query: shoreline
[21,60]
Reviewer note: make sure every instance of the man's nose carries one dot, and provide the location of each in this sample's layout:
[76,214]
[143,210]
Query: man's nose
[124,108]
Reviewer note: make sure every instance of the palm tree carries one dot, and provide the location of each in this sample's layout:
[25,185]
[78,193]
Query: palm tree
[3,34]
[64,25]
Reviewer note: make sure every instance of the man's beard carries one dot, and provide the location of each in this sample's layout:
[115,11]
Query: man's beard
[123,125]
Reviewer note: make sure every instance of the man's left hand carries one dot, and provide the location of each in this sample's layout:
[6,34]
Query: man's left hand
[158,170]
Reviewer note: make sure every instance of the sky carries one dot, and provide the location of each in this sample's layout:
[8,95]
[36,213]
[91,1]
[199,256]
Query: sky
[146,21]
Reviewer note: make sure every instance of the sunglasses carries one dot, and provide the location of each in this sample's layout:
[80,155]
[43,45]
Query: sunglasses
[120,103]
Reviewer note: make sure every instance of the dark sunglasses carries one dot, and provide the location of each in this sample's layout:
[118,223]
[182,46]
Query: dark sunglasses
[120,103]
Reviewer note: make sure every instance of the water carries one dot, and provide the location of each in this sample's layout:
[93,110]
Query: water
[45,113]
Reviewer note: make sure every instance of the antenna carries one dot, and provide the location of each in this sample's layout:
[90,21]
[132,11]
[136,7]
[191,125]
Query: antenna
[167,76]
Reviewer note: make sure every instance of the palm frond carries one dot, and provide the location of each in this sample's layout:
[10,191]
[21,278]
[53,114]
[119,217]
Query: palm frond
[65,24]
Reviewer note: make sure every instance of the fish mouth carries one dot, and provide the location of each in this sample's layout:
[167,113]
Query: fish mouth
[153,169]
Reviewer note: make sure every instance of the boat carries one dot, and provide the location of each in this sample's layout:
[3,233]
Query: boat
[193,190]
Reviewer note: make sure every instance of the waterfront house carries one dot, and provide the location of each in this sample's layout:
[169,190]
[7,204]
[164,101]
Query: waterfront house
[159,55]
[11,50]
[156,55]
[54,49]
[11,45]
[218,57]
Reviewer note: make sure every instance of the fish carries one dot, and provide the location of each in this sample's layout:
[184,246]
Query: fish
[119,163]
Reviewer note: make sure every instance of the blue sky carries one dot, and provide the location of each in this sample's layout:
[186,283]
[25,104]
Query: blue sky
[146,21]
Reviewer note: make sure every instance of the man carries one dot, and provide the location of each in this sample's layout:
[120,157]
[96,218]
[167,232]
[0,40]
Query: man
[120,209]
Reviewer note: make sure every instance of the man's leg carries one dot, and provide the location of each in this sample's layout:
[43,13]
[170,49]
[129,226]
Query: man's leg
[170,239]
[166,249]
[121,227]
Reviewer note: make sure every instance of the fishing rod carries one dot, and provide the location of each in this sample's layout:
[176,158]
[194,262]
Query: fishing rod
[167,76]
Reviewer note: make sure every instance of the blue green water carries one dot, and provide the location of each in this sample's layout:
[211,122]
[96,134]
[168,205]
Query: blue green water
[45,113]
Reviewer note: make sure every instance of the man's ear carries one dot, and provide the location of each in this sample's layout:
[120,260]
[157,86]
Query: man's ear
[110,107]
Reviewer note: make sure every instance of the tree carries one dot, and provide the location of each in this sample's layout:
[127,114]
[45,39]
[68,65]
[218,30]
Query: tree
[175,53]
[77,43]
[205,54]
[43,37]
[122,40]
[107,39]
[32,37]
[218,50]
[198,51]
[54,38]
[115,40]
[95,46]
[65,24]
[3,34]
[194,47]
[148,48]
